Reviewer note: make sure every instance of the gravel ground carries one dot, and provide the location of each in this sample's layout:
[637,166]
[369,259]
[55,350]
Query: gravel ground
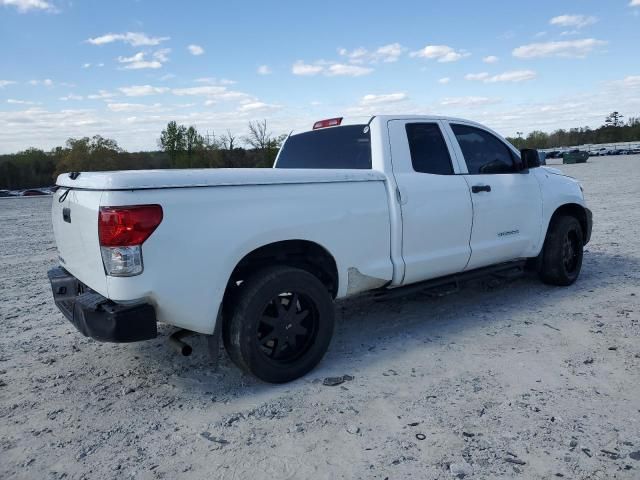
[517,380]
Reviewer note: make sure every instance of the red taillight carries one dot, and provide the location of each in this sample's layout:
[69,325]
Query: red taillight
[127,226]
[329,122]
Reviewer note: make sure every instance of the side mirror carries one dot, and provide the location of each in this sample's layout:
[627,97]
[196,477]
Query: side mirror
[529,158]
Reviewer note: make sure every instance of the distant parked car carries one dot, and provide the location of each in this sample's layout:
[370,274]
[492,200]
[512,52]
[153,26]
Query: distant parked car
[575,156]
[543,158]
[5,193]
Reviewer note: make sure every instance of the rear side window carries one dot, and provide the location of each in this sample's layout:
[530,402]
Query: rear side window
[429,152]
[483,152]
[335,147]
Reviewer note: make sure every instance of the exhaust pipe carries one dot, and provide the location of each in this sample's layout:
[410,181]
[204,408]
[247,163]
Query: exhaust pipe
[175,340]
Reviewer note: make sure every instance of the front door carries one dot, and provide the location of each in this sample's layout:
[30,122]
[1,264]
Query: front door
[507,204]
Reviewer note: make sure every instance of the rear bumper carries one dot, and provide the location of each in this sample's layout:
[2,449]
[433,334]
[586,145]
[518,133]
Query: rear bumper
[587,234]
[98,317]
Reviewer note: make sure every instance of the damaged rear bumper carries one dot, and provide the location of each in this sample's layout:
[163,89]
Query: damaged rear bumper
[98,317]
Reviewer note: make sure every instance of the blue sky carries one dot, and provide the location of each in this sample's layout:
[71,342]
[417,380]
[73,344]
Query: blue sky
[124,68]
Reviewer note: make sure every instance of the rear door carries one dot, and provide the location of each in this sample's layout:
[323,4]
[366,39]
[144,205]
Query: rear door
[435,201]
[507,204]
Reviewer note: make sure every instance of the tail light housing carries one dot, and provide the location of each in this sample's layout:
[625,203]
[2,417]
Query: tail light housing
[122,231]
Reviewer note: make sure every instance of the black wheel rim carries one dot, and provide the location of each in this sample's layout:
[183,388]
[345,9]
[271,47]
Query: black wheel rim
[288,327]
[571,252]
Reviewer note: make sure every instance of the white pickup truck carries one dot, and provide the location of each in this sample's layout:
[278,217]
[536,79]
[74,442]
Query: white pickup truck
[257,256]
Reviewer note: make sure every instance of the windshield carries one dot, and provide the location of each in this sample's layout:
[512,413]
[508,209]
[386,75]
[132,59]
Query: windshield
[335,147]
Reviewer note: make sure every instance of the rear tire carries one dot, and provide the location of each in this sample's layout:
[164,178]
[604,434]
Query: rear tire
[281,324]
[561,257]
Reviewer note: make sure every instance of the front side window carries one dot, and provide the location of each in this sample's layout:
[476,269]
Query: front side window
[429,152]
[483,152]
[335,147]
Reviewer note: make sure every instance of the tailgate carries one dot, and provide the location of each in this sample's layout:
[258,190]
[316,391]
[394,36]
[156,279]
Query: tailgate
[75,226]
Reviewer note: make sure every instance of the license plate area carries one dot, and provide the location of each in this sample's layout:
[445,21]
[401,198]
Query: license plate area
[64,285]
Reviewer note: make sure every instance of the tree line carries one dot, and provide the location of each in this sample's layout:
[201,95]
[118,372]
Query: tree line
[179,147]
[614,130]
[183,146]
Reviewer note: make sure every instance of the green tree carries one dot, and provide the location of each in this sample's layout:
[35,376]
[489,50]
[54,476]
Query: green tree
[90,154]
[614,119]
[173,140]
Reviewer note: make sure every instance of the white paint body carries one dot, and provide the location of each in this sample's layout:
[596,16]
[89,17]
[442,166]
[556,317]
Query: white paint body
[390,223]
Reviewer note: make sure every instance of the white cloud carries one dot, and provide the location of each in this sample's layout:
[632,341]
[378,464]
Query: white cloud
[569,48]
[262,107]
[511,76]
[631,81]
[162,54]
[358,55]
[142,90]
[215,81]
[441,53]
[71,96]
[214,94]
[24,6]
[135,39]
[477,76]
[13,101]
[383,99]
[47,82]
[4,83]
[386,53]
[634,3]
[577,21]
[133,107]
[305,69]
[490,59]
[341,69]
[389,53]
[469,101]
[264,70]
[329,69]
[102,94]
[444,80]
[195,50]
[140,60]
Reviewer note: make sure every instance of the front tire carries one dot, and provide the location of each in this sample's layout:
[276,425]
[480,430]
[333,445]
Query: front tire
[561,256]
[281,324]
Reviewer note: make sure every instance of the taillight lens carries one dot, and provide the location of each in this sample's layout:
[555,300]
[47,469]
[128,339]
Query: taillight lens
[122,231]
[127,226]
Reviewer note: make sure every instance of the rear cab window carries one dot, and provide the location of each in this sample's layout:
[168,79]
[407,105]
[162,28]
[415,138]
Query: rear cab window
[344,147]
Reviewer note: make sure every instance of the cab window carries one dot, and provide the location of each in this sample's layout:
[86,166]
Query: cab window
[483,152]
[429,152]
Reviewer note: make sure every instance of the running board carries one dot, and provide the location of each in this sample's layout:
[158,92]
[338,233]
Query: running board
[451,283]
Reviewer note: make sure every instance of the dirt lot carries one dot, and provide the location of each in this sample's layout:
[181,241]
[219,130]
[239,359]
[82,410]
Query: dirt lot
[517,380]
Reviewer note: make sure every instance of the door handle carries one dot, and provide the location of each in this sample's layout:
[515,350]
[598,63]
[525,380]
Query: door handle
[481,188]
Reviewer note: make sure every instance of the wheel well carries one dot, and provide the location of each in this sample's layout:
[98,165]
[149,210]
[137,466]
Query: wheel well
[301,254]
[573,210]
